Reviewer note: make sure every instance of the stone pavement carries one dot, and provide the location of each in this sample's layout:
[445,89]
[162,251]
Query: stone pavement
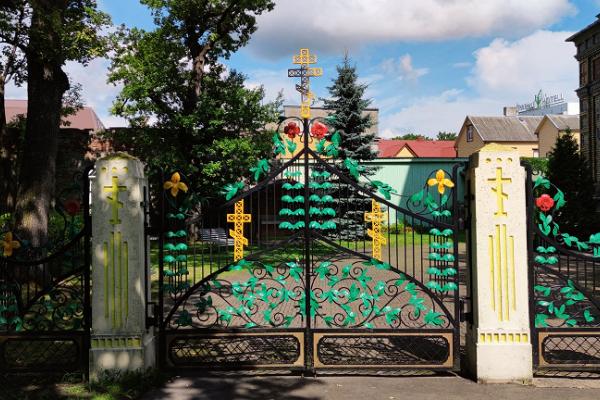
[370,388]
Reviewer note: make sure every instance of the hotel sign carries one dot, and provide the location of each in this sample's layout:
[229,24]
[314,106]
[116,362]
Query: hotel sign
[541,100]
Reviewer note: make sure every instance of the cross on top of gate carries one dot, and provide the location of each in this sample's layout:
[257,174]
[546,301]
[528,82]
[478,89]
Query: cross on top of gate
[305,59]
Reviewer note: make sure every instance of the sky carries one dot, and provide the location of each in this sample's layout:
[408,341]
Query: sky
[427,63]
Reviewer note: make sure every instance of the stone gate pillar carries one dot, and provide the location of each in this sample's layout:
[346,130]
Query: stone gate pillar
[499,339]
[120,340]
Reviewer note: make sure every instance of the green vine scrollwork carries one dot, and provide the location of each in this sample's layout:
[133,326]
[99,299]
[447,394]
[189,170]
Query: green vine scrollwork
[549,201]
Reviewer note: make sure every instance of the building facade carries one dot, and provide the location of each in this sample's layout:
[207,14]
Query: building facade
[587,42]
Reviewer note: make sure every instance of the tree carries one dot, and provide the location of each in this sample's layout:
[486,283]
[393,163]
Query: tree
[186,111]
[59,31]
[443,135]
[569,171]
[347,105]
[13,38]
[412,136]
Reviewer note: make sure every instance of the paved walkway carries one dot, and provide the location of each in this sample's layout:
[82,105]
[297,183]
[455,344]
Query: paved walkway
[370,388]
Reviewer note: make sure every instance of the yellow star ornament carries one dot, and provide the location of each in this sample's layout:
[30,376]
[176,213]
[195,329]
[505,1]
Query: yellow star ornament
[441,181]
[175,184]
[8,244]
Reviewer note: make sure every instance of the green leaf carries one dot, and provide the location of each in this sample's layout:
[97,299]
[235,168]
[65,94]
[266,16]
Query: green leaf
[291,146]
[540,321]
[230,190]
[433,318]
[587,315]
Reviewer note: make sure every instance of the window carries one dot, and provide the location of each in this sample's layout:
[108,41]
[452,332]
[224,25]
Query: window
[536,153]
[470,133]
[596,69]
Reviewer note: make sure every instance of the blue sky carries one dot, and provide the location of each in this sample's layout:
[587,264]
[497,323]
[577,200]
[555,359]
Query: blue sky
[428,63]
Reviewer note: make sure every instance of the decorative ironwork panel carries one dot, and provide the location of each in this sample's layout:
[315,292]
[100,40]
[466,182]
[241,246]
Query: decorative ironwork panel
[41,354]
[571,348]
[230,350]
[382,350]
[565,296]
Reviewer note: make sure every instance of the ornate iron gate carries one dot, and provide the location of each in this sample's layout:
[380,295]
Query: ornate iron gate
[312,268]
[565,285]
[45,292]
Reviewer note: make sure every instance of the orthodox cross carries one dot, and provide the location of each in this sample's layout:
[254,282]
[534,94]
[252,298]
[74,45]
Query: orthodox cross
[113,199]
[305,59]
[499,190]
[376,217]
[237,233]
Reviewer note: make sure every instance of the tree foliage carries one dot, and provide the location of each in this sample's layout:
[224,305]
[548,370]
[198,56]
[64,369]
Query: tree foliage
[569,171]
[347,106]
[411,136]
[443,135]
[58,31]
[186,110]
[14,17]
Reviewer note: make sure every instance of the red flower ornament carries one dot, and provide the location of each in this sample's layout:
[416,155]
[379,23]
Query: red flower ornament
[544,202]
[318,130]
[72,207]
[291,130]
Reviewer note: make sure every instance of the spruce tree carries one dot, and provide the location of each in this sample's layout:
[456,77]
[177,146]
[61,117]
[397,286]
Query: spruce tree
[347,106]
[569,171]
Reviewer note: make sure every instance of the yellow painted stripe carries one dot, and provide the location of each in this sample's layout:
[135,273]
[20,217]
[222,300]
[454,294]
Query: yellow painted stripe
[492,271]
[506,300]
[120,262]
[499,274]
[512,269]
[126,260]
[105,262]
[113,283]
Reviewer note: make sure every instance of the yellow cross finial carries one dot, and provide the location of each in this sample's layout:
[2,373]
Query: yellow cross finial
[376,217]
[499,190]
[113,199]
[237,233]
[305,59]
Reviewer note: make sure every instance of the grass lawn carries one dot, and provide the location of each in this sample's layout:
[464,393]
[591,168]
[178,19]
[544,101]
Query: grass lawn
[72,387]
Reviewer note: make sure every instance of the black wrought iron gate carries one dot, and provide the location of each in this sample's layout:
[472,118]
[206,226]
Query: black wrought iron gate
[565,285]
[45,314]
[313,268]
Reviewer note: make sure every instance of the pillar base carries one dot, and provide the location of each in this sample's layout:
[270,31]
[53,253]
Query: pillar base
[500,362]
[121,353]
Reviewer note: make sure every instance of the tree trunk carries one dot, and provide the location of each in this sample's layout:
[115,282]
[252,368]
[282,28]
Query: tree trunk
[46,85]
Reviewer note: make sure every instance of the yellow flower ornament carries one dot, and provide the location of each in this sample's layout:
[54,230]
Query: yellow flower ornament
[8,244]
[441,181]
[175,184]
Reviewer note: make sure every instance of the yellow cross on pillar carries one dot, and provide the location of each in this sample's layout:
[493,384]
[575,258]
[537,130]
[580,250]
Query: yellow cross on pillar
[499,190]
[237,233]
[113,199]
[376,217]
[305,59]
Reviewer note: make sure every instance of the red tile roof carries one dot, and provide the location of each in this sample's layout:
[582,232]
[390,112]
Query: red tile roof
[388,148]
[84,119]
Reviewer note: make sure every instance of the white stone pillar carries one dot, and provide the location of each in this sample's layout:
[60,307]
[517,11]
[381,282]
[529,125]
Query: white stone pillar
[120,340]
[499,339]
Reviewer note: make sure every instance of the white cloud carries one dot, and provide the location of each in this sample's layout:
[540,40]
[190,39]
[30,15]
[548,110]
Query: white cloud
[464,64]
[542,60]
[403,68]
[273,82]
[328,26]
[504,73]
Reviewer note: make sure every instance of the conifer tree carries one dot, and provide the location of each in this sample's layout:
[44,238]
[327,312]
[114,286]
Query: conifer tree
[569,171]
[347,107]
